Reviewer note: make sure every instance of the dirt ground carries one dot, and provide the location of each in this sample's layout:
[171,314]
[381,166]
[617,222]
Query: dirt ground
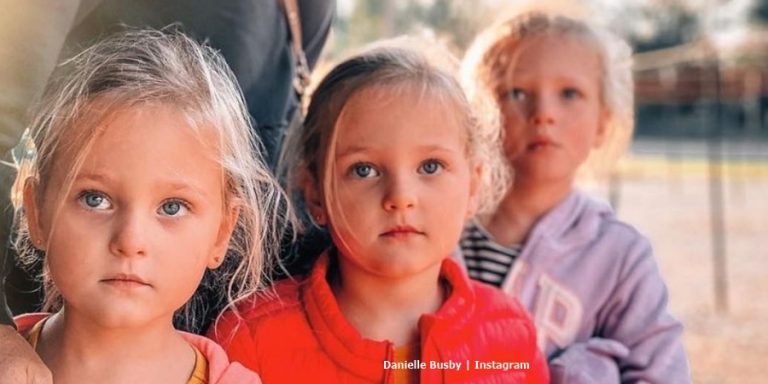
[668,200]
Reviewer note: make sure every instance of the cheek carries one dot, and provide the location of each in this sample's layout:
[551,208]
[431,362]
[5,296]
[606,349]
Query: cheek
[587,135]
[589,116]
[513,140]
[451,199]
[191,239]
[449,217]
[75,251]
[512,117]
[343,238]
[347,224]
[352,216]
[180,271]
[72,230]
[353,200]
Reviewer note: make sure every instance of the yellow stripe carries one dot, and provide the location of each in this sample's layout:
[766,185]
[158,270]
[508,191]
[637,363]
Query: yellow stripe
[200,373]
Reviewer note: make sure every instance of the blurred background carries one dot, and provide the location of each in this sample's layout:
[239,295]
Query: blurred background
[695,179]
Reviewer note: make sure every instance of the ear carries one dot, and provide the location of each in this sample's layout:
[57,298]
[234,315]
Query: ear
[227,226]
[314,199]
[602,128]
[475,179]
[32,212]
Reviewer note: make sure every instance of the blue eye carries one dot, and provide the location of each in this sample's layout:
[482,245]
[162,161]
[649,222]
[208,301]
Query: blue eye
[515,94]
[172,208]
[570,93]
[364,171]
[95,200]
[430,167]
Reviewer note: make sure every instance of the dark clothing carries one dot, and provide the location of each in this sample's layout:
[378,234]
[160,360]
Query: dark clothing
[5,313]
[252,35]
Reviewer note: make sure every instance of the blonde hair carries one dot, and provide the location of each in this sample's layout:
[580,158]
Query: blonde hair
[491,54]
[168,68]
[396,65]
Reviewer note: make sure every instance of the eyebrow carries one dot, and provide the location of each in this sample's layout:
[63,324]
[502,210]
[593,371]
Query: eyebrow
[98,177]
[355,149]
[172,184]
[182,186]
[569,78]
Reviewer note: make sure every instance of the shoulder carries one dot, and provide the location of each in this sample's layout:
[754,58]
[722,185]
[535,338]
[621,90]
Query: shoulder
[598,222]
[490,301]
[500,321]
[482,300]
[282,297]
[220,369]
[499,315]
[616,246]
[273,305]
[257,331]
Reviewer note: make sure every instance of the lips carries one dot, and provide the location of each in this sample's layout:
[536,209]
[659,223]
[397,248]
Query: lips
[401,231]
[539,142]
[125,279]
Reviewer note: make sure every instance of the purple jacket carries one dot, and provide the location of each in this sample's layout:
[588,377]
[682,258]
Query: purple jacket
[597,297]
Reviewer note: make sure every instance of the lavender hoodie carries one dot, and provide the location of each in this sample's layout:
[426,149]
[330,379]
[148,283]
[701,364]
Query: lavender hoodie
[598,299]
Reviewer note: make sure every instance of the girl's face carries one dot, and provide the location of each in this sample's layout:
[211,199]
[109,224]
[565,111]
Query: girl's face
[142,221]
[404,185]
[550,98]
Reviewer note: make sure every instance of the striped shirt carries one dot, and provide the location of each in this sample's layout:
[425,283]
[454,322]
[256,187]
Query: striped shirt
[486,260]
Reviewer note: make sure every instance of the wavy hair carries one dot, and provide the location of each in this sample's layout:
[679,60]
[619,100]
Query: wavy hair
[161,67]
[492,52]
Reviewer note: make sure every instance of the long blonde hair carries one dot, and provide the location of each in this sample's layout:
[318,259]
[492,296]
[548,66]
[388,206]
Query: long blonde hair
[161,67]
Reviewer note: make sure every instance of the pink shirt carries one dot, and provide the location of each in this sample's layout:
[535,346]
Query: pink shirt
[220,369]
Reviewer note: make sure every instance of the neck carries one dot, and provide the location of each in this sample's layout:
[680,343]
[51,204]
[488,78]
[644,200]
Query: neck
[523,206]
[75,348]
[384,308]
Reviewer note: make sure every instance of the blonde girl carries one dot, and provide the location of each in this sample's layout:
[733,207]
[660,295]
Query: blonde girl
[144,200]
[391,161]
[564,91]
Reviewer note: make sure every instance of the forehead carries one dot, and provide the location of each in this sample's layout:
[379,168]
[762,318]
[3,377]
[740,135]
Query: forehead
[399,115]
[141,142]
[154,127]
[555,55]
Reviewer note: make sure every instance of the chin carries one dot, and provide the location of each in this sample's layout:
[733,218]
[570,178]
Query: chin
[117,319]
[405,269]
[123,316]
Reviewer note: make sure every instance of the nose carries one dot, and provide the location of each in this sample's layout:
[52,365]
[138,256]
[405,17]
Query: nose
[541,110]
[129,237]
[400,194]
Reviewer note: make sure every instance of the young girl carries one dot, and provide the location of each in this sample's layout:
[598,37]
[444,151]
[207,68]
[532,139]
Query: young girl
[143,182]
[389,160]
[599,302]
